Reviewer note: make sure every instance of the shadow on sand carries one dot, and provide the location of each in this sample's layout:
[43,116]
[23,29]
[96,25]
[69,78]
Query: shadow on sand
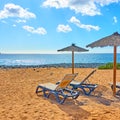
[73,109]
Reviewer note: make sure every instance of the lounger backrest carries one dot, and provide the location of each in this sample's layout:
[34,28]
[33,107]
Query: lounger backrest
[66,81]
[87,77]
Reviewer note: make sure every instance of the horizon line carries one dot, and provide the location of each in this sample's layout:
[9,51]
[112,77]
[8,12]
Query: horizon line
[56,52]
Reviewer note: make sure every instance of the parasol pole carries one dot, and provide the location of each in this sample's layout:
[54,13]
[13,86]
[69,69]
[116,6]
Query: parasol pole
[114,72]
[72,61]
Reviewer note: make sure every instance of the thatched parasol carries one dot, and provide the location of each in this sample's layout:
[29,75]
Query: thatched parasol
[112,40]
[73,48]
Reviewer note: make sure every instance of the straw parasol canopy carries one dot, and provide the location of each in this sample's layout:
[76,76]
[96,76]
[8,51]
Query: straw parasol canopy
[73,48]
[111,40]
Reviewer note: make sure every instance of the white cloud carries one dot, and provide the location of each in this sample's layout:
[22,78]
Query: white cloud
[106,2]
[3,21]
[14,25]
[12,10]
[39,30]
[115,19]
[85,7]
[56,3]
[21,21]
[64,28]
[75,21]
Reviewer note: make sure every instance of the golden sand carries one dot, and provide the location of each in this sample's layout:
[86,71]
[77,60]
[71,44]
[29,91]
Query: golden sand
[18,100]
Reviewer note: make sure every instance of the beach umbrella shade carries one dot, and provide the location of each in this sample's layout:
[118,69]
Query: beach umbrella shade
[111,40]
[73,48]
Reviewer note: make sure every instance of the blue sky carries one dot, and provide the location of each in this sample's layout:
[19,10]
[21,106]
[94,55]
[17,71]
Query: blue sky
[44,26]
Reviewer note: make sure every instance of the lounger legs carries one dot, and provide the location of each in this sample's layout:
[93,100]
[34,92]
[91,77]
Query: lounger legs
[86,90]
[89,91]
[40,89]
[47,95]
[60,96]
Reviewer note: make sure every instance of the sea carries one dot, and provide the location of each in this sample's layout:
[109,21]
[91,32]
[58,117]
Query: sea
[64,60]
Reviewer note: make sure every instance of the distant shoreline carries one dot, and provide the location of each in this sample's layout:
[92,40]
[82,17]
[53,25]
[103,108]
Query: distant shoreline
[64,65]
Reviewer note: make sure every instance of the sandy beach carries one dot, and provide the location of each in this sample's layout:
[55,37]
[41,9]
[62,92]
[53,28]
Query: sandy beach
[18,100]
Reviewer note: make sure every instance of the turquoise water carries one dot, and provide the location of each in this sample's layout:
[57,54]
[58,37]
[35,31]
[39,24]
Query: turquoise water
[44,59]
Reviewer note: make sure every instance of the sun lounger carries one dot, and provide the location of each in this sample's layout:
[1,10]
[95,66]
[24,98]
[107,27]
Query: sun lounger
[61,91]
[87,88]
[117,86]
